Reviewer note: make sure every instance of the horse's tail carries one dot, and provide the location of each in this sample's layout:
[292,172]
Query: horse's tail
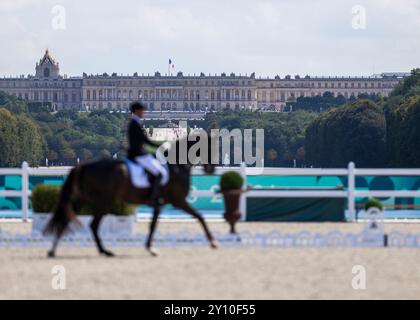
[64,211]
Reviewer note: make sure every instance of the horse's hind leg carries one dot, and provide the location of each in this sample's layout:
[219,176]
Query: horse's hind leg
[187,208]
[95,227]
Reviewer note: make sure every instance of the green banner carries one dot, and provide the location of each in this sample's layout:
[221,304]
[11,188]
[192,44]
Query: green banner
[296,209]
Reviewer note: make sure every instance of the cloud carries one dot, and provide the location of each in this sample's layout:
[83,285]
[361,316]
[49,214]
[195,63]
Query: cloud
[266,36]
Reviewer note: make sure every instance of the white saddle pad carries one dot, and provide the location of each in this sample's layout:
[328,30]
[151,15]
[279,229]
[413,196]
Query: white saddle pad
[139,177]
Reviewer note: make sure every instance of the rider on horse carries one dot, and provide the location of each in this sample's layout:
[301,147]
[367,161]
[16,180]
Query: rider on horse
[137,138]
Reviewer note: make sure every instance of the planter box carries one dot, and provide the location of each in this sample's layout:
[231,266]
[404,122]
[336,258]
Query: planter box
[110,225]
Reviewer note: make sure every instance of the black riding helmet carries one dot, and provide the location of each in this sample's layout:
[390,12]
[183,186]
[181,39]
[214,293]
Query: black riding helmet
[137,106]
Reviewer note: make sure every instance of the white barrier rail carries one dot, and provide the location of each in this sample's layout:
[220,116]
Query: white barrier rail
[351,193]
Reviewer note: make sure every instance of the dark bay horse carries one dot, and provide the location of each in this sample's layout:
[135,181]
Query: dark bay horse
[99,183]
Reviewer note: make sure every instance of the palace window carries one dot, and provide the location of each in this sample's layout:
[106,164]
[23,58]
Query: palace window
[282,97]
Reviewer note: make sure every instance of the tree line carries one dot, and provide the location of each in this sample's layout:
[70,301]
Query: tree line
[384,133]
[33,132]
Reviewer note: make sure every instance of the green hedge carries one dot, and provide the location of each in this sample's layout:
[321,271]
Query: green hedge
[231,181]
[373,203]
[45,199]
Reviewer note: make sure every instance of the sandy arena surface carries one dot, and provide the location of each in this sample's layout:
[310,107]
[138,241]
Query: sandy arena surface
[226,273]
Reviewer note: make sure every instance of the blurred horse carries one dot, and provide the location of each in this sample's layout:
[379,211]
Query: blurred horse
[99,184]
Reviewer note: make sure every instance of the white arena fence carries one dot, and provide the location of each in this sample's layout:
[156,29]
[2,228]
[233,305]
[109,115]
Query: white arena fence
[351,193]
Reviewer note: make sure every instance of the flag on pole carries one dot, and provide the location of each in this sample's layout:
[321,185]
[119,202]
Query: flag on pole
[171,64]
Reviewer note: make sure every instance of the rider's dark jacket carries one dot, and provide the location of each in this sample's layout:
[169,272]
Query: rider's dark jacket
[137,138]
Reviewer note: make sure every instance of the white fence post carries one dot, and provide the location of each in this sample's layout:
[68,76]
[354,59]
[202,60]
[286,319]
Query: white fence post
[25,191]
[242,207]
[351,192]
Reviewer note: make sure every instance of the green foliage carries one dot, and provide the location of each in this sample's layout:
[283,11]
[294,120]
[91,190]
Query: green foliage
[31,141]
[355,132]
[373,203]
[284,132]
[45,198]
[409,86]
[20,140]
[9,155]
[403,130]
[403,117]
[39,107]
[13,104]
[231,181]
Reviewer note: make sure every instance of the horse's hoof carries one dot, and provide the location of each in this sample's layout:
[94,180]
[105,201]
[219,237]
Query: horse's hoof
[153,252]
[51,254]
[108,254]
[214,244]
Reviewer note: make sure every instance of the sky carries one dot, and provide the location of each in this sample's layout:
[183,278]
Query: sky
[268,37]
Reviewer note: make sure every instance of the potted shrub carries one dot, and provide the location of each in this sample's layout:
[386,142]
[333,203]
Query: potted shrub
[231,184]
[373,203]
[45,199]
[374,234]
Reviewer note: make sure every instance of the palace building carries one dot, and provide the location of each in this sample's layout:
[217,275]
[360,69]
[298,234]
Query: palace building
[183,93]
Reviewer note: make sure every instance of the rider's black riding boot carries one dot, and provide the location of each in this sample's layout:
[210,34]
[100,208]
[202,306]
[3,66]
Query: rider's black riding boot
[155,190]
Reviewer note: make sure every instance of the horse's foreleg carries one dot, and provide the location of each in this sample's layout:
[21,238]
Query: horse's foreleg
[153,225]
[51,253]
[95,227]
[187,208]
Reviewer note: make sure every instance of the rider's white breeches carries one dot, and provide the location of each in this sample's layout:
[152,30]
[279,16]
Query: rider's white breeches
[153,166]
